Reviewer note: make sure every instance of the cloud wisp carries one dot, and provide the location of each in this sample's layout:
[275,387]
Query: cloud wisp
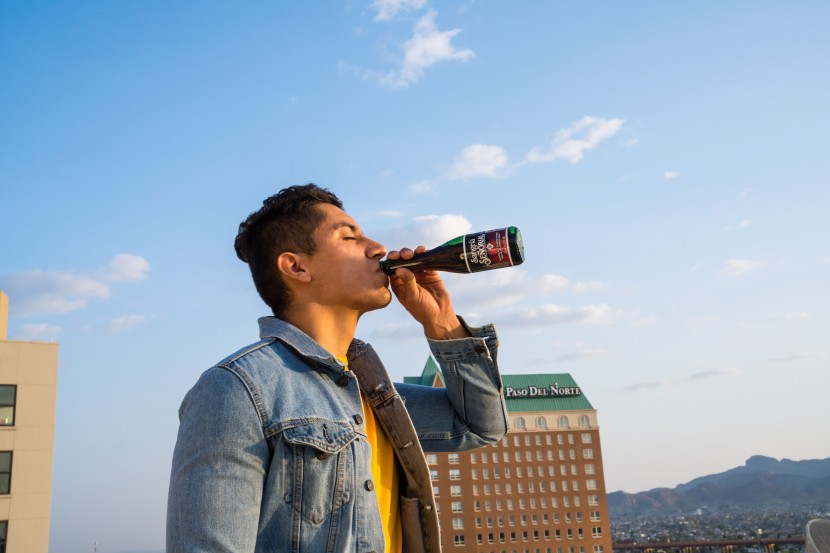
[39,292]
[492,162]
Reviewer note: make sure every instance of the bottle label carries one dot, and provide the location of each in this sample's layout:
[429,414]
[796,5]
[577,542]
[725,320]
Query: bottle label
[487,250]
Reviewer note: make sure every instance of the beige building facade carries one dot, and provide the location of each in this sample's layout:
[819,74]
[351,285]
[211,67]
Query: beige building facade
[28,391]
[540,489]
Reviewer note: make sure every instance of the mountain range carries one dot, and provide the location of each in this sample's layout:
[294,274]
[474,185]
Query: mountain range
[761,482]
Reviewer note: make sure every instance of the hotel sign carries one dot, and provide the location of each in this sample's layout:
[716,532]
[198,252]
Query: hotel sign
[535,391]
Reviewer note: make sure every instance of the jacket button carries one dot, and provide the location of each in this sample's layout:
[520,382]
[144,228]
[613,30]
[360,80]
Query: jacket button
[322,455]
[343,380]
[358,419]
[370,485]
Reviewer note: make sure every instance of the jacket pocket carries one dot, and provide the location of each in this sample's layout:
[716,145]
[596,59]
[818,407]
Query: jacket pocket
[319,469]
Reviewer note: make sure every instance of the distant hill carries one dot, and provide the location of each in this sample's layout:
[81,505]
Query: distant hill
[762,481]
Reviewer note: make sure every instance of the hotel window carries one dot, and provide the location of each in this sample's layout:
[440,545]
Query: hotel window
[524,535]
[475,489]
[563,422]
[564,485]
[519,472]
[498,489]
[435,491]
[579,516]
[563,470]
[527,441]
[521,486]
[508,488]
[457,507]
[520,423]
[489,522]
[507,472]
[560,439]
[501,521]
[570,439]
[528,455]
[532,502]
[536,535]
[499,503]
[488,506]
[561,454]
[584,421]
[458,524]
[588,453]
[593,500]
[495,456]
[505,455]
[572,454]
[542,487]
[594,516]
[512,537]
[521,504]
[8,398]
[479,539]
[554,502]
[566,501]
[501,537]
[531,487]
[556,518]
[452,458]
[579,533]
[432,459]
[477,505]
[577,502]
[455,490]
[557,534]
[485,473]
[550,455]
[551,470]
[589,468]
[474,474]
[586,437]
[591,484]
[547,534]
[534,519]
[516,442]
[510,508]
[598,548]
[570,533]
[5,471]
[4,529]
[573,470]
[473,458]
[545,505]
[455,474]
[458,539]
[540,471]
[496,473]
[490,538]
[541,423]
[483,457]
[517,455]
[575,485]
[486,489]
[433,474]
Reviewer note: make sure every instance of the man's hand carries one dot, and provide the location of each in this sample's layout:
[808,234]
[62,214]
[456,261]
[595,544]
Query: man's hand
[423,294]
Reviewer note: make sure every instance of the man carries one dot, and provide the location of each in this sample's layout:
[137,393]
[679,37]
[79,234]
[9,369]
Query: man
[299,442]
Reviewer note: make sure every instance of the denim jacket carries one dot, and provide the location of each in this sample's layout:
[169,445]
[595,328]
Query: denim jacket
[272,454]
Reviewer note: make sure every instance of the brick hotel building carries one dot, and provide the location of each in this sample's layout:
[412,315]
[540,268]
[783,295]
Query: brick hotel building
[541,489]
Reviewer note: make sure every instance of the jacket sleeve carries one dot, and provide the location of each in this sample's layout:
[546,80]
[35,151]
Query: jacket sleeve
[219,466]
[469,411]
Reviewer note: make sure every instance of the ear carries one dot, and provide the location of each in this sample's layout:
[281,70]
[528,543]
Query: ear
[292,266]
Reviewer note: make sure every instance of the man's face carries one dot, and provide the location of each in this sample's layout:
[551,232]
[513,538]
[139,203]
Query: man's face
[345,270]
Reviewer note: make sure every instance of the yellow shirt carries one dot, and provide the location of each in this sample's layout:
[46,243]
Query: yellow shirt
[385,473]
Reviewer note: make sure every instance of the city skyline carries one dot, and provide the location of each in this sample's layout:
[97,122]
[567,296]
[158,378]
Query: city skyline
[665,164]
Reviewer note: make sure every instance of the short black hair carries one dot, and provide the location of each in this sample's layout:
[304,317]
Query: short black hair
[285,223]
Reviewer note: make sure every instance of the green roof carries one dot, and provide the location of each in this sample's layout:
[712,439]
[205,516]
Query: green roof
[524,392]
[570,398]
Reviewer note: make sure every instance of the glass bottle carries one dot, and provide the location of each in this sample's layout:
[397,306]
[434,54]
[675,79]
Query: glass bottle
[471,253]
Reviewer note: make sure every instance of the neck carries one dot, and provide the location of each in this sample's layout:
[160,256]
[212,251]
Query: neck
[332,329]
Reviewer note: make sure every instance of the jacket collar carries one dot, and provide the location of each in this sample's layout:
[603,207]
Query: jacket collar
[299,341]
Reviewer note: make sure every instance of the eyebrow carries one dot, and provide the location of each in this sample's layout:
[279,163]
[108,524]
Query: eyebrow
[338,226]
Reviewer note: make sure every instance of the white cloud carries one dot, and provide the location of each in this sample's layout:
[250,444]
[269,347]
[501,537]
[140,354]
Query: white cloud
[427,47]
[126,267]
[388,9]
[390,213]
[51,292]
[551,282]
[669,175]
[551,314]
[429,230]
[581,287]
[745,192]
[37,332]
[656,385]
[127,322]
[581,353]
[715,373]
[798,357]
[479,160]
[58,292]
[573,142]
[745,223]
[738,267]
[421,187]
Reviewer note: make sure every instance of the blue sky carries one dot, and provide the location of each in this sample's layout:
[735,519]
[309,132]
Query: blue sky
[666,162]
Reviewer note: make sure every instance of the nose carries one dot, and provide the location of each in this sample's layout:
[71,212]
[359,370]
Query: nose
[375,250]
